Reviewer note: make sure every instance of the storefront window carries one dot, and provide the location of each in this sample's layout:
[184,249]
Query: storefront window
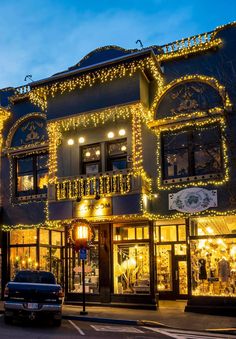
[213,263]
[44,237]
[22,258]
[21,237]
[131,268]
[44,258]
[91,272]
[56,238]
[164,267]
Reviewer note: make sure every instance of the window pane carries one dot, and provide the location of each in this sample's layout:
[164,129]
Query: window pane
[91,153]
[91,272]
[118,164]
[25,165]
[124,232]
[44,237]
[175,141]
[182,232]
[25,183]
[23,236]
[213,267]
[131,269]
[91,168]
[42,162]
[164,267]
[168,233]
[44,258]
[22,258]
[42,181]
[207,160]
[176,164]
[56,238]
[117,148]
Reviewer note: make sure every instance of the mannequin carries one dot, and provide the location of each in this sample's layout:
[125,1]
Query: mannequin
[202,269]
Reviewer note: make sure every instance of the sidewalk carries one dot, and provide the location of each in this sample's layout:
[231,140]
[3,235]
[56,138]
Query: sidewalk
[170,314]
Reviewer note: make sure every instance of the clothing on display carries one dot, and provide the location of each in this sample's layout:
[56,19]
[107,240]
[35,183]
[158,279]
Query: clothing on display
[224,270]
[202,269]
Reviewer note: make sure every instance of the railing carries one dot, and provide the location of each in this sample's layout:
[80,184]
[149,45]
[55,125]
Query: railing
[192,41]
[109,183]
[22,89]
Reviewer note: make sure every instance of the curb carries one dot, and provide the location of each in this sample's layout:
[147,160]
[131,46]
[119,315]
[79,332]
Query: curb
[115,321]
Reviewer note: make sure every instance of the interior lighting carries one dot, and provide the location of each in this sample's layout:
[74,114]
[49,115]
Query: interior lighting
[70,142]
[81,140]
[122,132]
[97,152]
[209,230]
[123,148]
[110,135]
[87,154]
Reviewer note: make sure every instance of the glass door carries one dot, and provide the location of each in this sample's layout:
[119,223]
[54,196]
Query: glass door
[181,277]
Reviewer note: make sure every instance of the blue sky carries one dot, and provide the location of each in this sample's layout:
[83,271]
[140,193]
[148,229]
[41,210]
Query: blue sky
[42,37]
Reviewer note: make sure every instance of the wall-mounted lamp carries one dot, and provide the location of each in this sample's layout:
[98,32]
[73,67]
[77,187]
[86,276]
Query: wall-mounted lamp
[81,140]
[110,135]
[122,132]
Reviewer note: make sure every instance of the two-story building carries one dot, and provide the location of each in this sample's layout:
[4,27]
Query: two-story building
[139,144]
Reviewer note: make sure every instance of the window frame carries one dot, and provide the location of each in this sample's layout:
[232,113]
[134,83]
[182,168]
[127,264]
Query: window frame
[35,171]
[191,147]
[111,158]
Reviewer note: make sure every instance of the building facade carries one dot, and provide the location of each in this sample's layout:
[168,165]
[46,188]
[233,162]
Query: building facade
[140,144]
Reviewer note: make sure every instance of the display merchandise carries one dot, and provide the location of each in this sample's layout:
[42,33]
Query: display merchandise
[164,268]
[213,265]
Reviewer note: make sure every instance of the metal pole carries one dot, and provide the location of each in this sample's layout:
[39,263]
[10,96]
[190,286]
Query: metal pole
[83,283]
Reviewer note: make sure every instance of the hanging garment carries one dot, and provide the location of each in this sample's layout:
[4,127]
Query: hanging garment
[202,269]
[224,270]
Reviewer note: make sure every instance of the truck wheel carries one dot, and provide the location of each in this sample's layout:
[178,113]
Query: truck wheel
[7,319]
[57,322]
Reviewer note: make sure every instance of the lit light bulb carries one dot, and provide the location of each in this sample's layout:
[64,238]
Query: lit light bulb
[122,132]
[97,152]
[110,135]
[123,148]
[87,154]
[81,140]
[70,142]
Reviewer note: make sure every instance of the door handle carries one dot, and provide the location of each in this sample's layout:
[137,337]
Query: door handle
[176,275]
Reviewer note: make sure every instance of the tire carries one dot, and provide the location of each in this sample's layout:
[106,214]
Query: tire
[57,322]
[7,319]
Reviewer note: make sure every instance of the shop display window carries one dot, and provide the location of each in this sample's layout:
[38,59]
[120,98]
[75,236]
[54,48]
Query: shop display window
[164,267]
[23,257]
[131,269]
[91,272]
[213,265]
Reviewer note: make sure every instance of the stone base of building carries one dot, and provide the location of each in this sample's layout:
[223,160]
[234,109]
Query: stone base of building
[224,306]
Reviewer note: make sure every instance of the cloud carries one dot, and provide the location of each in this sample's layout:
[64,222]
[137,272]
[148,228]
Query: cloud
[41,40]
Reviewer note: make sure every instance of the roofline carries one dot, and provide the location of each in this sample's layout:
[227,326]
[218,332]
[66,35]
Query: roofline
[92,67]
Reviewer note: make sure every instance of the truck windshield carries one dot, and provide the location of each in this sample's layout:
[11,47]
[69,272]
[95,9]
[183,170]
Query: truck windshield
[35,277]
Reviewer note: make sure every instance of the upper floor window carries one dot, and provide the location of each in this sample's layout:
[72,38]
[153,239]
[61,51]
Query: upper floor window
[191,153]
[32,174]
[91,159]
[117,155]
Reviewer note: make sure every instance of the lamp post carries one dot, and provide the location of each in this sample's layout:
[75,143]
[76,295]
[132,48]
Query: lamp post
[82,236]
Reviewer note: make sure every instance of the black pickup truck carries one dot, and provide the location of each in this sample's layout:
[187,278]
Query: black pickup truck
[33,294]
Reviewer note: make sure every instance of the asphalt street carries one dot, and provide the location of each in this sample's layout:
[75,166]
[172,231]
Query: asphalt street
[75,329]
